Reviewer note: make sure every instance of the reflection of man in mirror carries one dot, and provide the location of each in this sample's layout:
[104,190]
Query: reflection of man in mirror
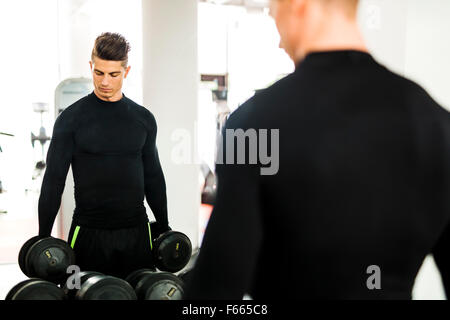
[110,141]
[363,180]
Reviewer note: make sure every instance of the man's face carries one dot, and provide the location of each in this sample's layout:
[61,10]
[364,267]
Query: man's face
[108,78]
[282,12]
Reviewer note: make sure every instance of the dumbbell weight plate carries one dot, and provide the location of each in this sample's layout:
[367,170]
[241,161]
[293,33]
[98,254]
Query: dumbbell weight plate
[134,277]
[160,286]
[172,251]
[102,287]
[84,275]
[185,275]
[23,252]
[35,289]
[49,259]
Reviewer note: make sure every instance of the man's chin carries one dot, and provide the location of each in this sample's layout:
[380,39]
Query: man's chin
[105,95]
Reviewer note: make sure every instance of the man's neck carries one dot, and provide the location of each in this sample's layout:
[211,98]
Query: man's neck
[333,35]
[118,96]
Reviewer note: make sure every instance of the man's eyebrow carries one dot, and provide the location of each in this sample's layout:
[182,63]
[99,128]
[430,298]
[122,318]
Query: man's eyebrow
[96,70]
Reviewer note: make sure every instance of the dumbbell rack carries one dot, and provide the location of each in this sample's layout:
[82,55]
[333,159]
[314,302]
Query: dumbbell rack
[155,285]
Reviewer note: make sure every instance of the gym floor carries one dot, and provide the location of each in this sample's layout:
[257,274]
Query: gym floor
[19,223]
[16,226]
[10,276]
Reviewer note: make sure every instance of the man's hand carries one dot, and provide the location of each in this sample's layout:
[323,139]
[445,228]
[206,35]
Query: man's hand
[157,229]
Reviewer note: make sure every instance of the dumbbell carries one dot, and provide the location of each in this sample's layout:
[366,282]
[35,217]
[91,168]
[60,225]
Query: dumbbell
[97,286]
[151,285]
[46,258]
[185,275]
[172,250]
[36,289]
[83,276]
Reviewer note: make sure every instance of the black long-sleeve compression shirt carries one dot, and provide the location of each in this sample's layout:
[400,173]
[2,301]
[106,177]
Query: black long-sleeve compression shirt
[363,182]
[112,149]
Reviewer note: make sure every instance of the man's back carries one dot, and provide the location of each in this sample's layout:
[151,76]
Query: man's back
[363,180]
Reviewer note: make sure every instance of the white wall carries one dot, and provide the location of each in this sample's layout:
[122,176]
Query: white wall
[29,74]
[383,23]
[242,43]
[428,47]
[255,59]
[212,38]
[170,86]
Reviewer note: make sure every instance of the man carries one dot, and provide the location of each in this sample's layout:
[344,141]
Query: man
[110,142]
[362,191]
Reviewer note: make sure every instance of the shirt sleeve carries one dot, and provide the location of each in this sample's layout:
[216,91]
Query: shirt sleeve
[155,184]
[59,157]
[441,250]
[228,256]
[442,258]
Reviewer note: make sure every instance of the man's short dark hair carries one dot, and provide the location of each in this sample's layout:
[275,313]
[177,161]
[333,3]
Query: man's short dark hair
[111,46]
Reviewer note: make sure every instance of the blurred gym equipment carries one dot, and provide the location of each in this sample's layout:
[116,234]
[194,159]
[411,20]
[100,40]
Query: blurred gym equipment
[2,190]
[40,107]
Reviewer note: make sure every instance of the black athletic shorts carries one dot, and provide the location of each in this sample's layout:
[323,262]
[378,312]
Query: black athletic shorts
[115,252]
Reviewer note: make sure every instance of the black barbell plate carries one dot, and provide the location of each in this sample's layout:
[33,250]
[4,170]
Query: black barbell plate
[139,282]
[17,287]
[36,289]
[84,275]
[165,290]
[134,277]
[23,252]
[49,259]
[102,287]
[172,251]
[160,286]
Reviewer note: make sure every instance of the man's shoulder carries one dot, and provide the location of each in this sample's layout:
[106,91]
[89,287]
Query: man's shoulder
[144,114]
[68,115]
[76,105]
[263,104]
[419,98]
[414,93]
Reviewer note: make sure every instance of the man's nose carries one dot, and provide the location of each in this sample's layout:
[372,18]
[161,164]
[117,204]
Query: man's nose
[105,81]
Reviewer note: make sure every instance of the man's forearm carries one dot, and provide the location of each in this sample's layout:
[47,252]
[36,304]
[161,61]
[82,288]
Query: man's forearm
[49,203]
[157,199]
